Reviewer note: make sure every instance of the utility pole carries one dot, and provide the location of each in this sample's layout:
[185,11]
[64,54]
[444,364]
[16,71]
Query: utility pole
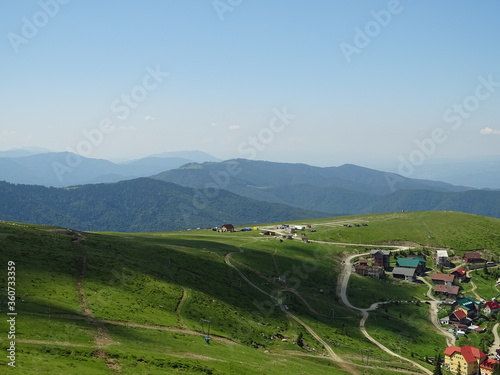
[206,332]
[365,356]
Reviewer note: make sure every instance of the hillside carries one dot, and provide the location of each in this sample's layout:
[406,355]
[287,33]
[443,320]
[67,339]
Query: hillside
[141,303]
[347,189]
[137,205]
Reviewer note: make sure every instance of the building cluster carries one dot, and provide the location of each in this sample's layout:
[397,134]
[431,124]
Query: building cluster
[411,267]
[468,360]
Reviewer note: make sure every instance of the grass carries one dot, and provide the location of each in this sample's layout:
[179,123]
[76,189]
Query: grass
[436,229]
[141,278]
[485,283]
[364,291]
[404,328]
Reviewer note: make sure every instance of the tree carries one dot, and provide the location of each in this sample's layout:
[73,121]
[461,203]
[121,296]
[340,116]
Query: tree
[496,369]
[437,365]
[300,340]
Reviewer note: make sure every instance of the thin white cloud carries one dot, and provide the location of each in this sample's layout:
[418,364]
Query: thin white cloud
[121,117]
[149,118]
[214,124]
[124,128]
[233,127]
[489,131]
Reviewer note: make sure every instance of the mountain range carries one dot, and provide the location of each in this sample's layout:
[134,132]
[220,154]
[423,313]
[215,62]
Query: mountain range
[211,193]
[63,169]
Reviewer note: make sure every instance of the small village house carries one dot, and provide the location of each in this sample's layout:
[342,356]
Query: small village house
[381,258]
[227,228]
[459,317]
[442,258]
[491,307]
[375,272]
[449,291]
[465,360]
[460,274]
[419,264]
[409,274]
[443,278]
[467,305]
[473,258]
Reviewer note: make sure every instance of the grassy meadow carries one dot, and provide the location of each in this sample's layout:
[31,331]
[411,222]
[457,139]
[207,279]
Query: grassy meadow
[142,303]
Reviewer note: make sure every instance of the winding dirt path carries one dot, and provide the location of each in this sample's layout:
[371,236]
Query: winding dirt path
[450,339]
[333,356]
[134,325]
[102,337]
[496,342]
[342,291]
[178,310]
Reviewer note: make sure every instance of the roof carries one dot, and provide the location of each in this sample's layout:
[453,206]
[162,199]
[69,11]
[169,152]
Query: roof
[459,314]
[467,303]
[450,289]
[492,305]
[489,363]
[443,277]
[461,271]
[442,254]
[473,256]
[383,252]
[410,262]
[228,226]
[470,353]
[404,271]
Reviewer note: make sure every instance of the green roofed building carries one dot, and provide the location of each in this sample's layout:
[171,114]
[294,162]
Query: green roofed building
[467,305]
[417,263]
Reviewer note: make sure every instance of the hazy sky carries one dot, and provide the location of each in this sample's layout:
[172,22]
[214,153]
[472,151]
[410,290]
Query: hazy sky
[323,82]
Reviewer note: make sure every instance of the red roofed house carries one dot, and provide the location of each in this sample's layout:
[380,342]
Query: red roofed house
[465,359]
[473,258]
[450,291]
[459,316]
[488,366]
[491,307]
[460,274]
[443,278]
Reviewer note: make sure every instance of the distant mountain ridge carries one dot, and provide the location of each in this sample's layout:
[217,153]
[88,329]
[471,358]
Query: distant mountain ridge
[265,174]
[346,189]
[62,169]
[137,205]
[239,191]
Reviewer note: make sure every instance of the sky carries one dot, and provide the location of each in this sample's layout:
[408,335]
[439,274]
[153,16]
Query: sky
[325,83]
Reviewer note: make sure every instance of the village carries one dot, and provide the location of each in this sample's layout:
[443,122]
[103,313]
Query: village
[465,315]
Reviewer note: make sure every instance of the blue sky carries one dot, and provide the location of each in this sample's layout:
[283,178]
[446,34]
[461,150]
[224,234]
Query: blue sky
[233,65]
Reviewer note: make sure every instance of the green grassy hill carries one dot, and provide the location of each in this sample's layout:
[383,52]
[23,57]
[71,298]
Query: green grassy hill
[139,303]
